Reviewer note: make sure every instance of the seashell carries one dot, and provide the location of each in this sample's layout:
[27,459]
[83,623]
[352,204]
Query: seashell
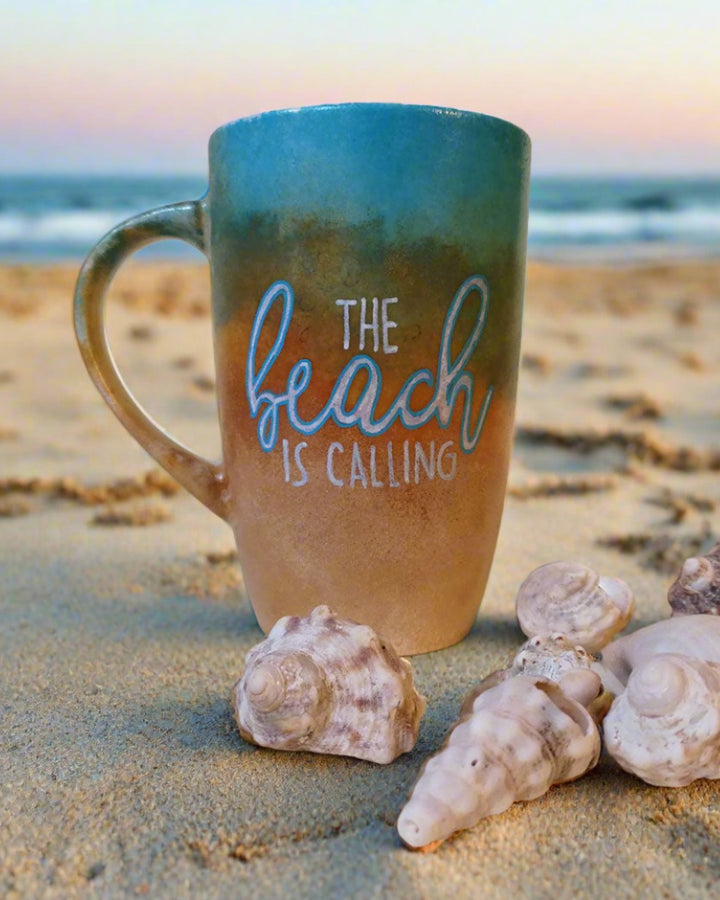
[665,727]
[586,688]
[571,598]
[520,737]
[328,685]
[697,636]
[555,657]
[697,587]
[550,656]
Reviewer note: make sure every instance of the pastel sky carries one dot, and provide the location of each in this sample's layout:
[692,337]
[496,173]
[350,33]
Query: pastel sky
[137,86]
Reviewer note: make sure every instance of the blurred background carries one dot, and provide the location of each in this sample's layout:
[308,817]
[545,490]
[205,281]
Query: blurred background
[106,108]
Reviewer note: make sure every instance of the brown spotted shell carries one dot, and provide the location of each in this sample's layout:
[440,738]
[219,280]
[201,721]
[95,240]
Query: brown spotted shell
[328,685]
[518,738]
[571,598]
[697,587]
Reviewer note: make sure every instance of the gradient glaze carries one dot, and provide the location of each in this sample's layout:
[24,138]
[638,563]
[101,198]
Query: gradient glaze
[344,203]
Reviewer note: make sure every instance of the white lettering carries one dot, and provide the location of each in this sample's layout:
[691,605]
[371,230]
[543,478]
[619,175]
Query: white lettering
[373,468]
[421,459]
[391,467]
[301,468]
[374,465]
[453,383]
[386,324]
[449,473]
[357,470]
[286,459]
[373,326]
[346,304]
[335,447]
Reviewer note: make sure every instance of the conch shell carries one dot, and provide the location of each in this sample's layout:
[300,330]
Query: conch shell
[519,737]
[553,656]
[697,636]
[665,727]
[571,598]
[328,685]
[697,587]
[550,656]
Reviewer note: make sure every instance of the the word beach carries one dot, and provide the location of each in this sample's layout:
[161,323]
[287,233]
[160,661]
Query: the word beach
[377,463]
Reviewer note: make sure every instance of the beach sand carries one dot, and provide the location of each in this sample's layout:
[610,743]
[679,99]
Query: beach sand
[124,622]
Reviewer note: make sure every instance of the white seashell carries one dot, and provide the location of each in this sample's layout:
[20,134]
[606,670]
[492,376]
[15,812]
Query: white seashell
[520,737]
[550,655]
[571,598]
[697,587]
[586,688]
[697,636]
[328,685]
[665,727]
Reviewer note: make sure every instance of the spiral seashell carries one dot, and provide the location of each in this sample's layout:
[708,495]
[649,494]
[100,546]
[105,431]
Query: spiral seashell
[665,727]
[520,737]
[328,685]
[697,636]
[697,587]
[550,656]
[571,598]
[571,666]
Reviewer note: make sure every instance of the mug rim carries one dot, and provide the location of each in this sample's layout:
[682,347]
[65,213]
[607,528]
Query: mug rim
[448,111]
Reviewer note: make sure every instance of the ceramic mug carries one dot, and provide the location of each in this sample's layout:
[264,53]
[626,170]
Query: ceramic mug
[367,269]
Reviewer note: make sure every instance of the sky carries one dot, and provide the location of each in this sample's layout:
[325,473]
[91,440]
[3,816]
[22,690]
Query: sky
[601,86]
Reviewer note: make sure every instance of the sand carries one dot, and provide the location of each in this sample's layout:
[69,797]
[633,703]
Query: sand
[125,624]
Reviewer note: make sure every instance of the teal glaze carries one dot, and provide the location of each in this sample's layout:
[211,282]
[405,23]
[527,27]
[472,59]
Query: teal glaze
[422,171]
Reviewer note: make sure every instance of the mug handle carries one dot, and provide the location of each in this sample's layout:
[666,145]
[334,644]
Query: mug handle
[188,222]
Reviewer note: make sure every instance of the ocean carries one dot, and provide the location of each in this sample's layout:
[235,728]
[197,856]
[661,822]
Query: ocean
[617,219]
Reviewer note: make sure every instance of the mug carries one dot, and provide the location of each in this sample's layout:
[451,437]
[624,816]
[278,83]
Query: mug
[367,268]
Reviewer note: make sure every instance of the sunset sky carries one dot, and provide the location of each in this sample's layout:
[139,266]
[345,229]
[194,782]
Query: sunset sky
[600,85]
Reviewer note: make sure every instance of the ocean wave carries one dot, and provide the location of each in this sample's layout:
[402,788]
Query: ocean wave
[85,227]
[71,234]
[692,225]
[43,218]
[70,227]
[651,202]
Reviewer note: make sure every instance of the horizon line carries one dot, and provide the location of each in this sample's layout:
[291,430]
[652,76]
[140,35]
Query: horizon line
[572,173]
